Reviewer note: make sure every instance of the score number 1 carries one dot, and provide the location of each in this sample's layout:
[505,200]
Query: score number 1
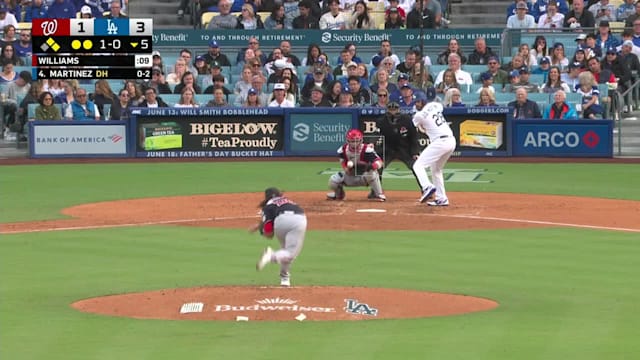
[143,61]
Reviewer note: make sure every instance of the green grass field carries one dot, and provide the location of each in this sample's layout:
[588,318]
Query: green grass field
[563,293]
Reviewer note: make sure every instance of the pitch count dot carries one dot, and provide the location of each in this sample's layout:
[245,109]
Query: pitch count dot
[75,44]
[87,44]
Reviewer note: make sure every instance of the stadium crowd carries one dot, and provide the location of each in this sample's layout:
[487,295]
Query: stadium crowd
[540,80]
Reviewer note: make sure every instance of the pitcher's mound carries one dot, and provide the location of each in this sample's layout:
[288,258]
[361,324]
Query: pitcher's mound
[317,303]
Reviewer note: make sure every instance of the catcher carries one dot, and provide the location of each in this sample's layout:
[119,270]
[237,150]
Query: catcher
[286,220]
[360,164]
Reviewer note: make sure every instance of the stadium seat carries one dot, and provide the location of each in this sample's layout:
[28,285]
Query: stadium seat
[170,99]
[206,18]
[616,26]
[24,26]
[378,18]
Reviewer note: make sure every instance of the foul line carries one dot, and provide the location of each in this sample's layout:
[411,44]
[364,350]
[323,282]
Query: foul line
[539,222]
[342,212]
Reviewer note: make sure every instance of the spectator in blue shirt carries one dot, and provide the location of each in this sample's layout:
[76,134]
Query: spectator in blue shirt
[22,47]
[37,10]
[62,9]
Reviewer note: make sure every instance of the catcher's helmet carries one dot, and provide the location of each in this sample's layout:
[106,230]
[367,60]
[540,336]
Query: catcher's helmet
[354,134]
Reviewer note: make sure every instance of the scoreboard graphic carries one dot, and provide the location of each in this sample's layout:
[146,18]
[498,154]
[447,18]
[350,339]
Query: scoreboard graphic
[92,48]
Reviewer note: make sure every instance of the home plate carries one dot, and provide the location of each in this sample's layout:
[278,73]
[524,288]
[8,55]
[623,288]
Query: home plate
[371,210]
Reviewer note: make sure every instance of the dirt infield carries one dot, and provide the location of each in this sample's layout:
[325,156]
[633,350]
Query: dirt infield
[401,212]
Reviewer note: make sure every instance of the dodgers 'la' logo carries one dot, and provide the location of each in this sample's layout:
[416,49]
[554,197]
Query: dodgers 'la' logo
[112,29]
[355,307]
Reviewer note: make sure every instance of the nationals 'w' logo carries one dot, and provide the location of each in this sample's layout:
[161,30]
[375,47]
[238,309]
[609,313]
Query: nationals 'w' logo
[49,27]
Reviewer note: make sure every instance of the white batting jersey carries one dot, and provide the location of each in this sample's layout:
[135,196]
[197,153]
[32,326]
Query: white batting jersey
[430,121]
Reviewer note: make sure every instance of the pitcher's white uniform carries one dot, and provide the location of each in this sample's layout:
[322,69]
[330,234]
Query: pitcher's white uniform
[431,121]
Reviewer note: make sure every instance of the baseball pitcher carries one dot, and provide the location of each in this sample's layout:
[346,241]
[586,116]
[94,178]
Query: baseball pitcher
[430,120]
[286,220]
[360,164]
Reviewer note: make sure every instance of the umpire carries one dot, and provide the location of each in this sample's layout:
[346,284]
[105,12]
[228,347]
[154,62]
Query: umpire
[400,138]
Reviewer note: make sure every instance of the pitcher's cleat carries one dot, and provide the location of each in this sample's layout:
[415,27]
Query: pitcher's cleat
[264,259]
[285,281]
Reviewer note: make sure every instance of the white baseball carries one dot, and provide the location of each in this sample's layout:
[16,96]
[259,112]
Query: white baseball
[350,164]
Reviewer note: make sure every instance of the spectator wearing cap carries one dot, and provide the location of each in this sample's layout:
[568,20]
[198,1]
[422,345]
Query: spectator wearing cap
[626,9]
[605,39]
[543,68]
[224,20]
[395,4]
[60,9]
[462,77]
[318,79]
[514,82]
[393,19]
[525,82]
[36,10]
[579,17]
[571,78]
[627,56]
[279,97]
[215,55]
[403,80]
[541,7]
[627,35]
[521,20]
[316,99]
[257,83]
[252,99]
[157,82]
[554,82]
[428,17]
[559,109]
[86,12]
[481,52]
[558,57]
[618,68]
[406,99]
[603,11]
[500,76]
[487,82]
[632,18]
[580,40]
[306,19]
[345,99]
[523,108]
[334,19]
[201,66]
[214,71]
[511,9]
[551,18]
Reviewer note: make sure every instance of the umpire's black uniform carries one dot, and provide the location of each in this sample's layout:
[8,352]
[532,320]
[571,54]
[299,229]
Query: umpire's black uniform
[400,138]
